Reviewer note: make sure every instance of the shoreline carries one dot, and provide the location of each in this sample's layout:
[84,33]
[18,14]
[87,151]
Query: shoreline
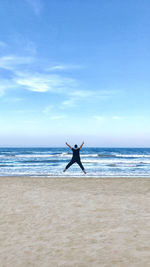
[74,177]
[68,222]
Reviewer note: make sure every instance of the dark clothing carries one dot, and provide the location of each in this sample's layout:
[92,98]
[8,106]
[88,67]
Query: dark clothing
[75,159]
[76,153]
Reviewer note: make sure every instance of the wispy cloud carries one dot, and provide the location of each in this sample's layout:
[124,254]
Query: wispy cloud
[38,82]
[75,96]
[56,67]
[11,62]
[36,5]
[61,67]
[51,113]
[23,74]
[35,84]
[81,93]
[103,94]
[68,103]
[106,118]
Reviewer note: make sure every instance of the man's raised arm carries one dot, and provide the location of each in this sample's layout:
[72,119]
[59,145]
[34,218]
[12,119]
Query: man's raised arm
[69,145]
[81,145]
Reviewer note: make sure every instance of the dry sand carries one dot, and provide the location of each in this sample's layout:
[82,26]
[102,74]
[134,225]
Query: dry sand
[74,222]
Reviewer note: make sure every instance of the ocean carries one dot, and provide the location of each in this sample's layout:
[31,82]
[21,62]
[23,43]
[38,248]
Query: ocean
[98,162]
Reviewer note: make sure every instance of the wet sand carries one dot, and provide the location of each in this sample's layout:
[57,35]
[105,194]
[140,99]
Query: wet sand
[74,222]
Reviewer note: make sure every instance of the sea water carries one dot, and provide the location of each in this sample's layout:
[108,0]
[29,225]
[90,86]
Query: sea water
[98,162]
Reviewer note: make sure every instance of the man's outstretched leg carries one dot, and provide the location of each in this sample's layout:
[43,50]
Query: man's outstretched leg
[68,165]
[81,166]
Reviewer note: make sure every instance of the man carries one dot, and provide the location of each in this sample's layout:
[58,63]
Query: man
[75,157]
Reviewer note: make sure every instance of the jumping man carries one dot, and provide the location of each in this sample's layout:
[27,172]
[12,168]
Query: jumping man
[75,157]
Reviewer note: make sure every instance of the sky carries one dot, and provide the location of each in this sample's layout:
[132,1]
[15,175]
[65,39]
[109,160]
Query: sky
[74,70]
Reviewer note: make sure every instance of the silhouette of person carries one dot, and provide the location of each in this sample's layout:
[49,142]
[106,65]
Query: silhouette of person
[75,157]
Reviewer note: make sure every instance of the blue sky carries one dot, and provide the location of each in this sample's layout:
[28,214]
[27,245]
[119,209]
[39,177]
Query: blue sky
[74,70]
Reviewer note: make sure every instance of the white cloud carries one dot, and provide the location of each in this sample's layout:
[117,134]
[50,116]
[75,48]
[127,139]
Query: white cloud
[23,75]
[81,93]
[34,84]
[36,5]
[43,83]
[32,80]
[74,96]
[68,103]
[11,62]
[57,67]
[102,118]
[50,112]
[61,67]
[101,94]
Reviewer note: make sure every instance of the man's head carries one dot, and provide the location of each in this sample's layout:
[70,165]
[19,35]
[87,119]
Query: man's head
[75,146]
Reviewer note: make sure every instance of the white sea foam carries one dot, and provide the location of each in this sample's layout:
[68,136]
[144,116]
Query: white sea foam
[44,156]
[113,161]
[90,155]
[97,162]
[132,156]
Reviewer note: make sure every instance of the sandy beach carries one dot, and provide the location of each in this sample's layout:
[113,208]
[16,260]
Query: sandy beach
[74,222]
